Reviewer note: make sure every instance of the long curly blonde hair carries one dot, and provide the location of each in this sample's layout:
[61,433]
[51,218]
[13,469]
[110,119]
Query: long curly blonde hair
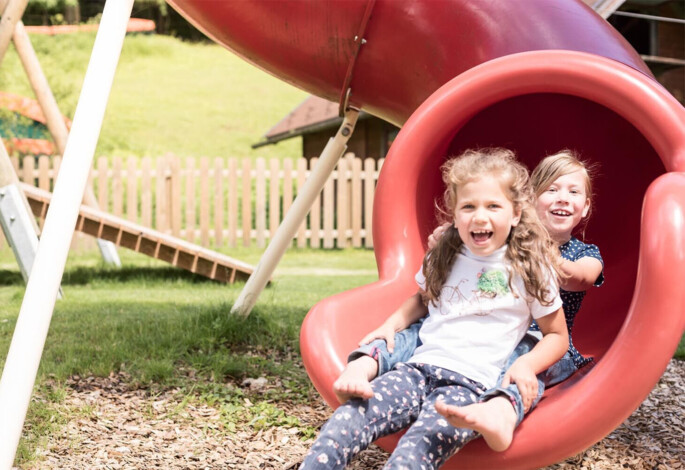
[530,251]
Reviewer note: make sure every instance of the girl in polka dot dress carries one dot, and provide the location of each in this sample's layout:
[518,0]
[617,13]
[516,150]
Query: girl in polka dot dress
[563,190]
[489,275]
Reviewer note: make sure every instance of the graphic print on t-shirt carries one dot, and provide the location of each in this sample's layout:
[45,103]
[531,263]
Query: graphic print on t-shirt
[489,285]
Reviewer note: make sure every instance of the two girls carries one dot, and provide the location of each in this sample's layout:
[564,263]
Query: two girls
[491,272]
[563,190]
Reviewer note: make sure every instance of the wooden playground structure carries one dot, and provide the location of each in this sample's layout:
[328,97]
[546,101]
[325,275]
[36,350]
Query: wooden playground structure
[121,232]
[45,261]
[108,229]
[453,97]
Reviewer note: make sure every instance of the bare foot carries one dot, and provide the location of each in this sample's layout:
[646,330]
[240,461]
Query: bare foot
[495,419]
[354,380]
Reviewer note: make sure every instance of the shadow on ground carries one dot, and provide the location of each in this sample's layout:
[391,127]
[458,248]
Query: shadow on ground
[85,275]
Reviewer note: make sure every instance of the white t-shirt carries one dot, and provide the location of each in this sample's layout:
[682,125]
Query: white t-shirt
[478,320]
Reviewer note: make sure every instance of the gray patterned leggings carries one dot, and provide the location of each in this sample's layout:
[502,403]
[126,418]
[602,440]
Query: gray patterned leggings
[403,398]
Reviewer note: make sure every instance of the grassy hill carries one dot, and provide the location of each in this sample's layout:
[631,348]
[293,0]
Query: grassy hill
[192,99]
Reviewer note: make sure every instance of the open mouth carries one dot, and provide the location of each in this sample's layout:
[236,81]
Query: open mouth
[481,236]
[561,213]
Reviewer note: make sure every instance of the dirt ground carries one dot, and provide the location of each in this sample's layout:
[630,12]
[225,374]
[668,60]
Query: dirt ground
[114,427]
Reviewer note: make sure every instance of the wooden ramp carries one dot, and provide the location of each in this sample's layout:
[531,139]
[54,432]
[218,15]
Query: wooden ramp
[147,241]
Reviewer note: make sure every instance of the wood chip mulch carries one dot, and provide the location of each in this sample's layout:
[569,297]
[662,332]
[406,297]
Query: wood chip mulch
[111,426]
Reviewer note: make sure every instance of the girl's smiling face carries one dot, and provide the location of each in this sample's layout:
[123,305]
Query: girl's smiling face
[563,205]
[484,215]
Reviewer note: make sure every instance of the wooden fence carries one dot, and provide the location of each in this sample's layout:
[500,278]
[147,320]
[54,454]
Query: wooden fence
[222,203]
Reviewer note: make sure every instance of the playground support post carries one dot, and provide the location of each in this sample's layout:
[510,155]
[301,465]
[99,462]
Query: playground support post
[12,28]
[296,215]
[27,236]
[25,351]
[8,176]
[40,86]
[53,116]
[12,11]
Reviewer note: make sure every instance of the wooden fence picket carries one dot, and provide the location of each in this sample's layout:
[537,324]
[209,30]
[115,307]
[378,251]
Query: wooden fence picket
[218,202]
[369,190]
[315,214]
[274,197]
[232,202]
[356,191]
[117,188]
[222,202]
[341,203]
[328,212]
[287,185]
[204,201]
[145,192]
[301,176]
[132,190]
[103,184]
[189,200]
[44,172]
[56,163]
[260,203]
[246,202]
[28,175]
[160,202]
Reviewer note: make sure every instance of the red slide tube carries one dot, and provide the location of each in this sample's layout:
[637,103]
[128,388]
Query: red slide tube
[535,76]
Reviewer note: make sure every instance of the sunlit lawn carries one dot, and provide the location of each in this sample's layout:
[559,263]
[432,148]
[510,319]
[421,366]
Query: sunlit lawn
[165,327]
[190,99]
[147,317]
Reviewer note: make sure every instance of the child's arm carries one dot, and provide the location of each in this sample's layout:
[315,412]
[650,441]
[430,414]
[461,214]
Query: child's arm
[581,273]
[411,311]
[550,348]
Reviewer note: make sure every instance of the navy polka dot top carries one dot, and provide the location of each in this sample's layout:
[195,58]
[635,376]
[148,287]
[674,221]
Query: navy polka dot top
[573,250]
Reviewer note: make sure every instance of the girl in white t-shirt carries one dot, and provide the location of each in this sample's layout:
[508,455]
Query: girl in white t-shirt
[488,276]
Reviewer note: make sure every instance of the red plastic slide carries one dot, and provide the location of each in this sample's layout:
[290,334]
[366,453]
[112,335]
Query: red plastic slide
[535,76]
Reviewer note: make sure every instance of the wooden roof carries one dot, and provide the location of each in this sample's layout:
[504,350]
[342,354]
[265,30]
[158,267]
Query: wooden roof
[312,115]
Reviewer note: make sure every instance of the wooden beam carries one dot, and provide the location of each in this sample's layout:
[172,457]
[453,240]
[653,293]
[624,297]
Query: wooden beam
[148,241]
[41,88]
[12,11]
[55,123]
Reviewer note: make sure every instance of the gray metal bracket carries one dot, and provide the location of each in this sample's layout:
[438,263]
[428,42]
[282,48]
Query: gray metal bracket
[18,229]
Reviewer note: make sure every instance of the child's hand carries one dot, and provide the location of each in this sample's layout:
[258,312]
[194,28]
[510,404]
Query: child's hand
[437,234]
[386,332]
[523,375]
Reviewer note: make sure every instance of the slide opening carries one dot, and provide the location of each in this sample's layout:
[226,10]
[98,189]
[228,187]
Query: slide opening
[536,125]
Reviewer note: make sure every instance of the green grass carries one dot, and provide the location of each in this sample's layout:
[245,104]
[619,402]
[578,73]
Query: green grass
[190,99]
[146,318]
[168,328]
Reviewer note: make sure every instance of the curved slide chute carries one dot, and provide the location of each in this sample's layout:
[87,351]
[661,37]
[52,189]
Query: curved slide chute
[534,76]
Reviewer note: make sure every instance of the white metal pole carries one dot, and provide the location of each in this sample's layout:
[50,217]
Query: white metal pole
[24,355]
[293,219]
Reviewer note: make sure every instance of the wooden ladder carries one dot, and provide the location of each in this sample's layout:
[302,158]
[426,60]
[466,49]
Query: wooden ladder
[147,241]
